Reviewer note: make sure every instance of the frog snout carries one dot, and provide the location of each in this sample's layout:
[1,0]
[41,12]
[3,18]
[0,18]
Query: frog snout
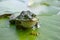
[34,19]
[30,18]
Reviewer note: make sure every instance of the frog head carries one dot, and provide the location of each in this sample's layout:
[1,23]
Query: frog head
[26,15]
[26,19]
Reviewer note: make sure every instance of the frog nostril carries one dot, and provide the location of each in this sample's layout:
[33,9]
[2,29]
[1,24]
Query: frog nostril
[30,18]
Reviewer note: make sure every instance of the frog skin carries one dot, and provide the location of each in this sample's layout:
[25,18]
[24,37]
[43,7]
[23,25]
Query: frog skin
[25,19]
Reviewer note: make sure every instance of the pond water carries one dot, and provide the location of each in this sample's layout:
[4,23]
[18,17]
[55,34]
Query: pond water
[50,25]
[37,7]
[49,30]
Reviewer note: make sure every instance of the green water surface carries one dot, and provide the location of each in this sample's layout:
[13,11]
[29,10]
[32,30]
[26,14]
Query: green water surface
[49,30]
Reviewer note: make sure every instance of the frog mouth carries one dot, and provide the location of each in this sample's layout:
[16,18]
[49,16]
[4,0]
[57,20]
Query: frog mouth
[27,23]
[32,19]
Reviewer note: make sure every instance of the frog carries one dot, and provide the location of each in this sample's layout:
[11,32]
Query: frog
[26,19]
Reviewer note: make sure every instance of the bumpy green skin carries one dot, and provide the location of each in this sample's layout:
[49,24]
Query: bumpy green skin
[25,20]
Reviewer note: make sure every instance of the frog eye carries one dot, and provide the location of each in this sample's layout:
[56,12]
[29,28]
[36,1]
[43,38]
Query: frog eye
[25,16]
[33,15]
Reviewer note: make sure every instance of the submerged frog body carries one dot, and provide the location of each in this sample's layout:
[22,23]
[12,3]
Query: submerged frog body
[26,19]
